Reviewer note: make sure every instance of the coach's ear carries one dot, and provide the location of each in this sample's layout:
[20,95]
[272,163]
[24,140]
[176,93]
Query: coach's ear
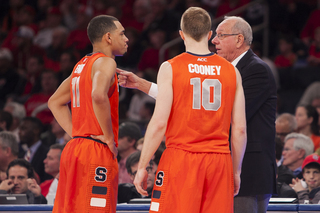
[181,34]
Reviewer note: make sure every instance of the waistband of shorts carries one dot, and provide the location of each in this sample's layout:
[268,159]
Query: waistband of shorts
[90,138]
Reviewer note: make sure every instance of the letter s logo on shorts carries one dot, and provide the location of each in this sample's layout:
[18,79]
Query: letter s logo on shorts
[160,176]
[101,174]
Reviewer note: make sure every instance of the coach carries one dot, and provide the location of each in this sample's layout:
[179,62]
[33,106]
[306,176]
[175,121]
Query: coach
[258,177]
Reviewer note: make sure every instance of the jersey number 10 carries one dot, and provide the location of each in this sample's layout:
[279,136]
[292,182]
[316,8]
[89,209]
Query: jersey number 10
[205,94]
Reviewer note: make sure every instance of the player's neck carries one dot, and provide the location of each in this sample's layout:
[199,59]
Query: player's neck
[200,48]
[103,49]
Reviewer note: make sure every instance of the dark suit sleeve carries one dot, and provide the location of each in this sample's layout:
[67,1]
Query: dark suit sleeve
[255,85]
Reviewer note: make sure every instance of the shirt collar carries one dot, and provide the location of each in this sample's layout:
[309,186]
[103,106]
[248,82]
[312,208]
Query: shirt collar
[235,61]
[297,171]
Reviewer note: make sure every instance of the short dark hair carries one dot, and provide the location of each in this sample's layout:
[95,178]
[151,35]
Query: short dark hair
[196,22]
[130,130]
[312,165]
[100,25]
[132,159]
[6,117]
[22,163]
[36,123]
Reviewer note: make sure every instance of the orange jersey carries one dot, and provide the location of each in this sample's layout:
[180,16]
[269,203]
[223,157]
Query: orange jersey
[81,100]
[203,95]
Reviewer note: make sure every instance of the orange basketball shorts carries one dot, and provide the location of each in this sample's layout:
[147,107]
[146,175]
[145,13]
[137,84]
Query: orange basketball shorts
[88,179]
[188,182]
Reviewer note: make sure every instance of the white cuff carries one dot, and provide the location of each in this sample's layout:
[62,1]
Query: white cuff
[153,91]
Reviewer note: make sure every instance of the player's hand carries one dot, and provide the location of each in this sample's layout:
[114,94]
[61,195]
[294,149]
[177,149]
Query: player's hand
[140,181]
[34,187]
[6,185]
[127,79]
[111,144]
[237,182]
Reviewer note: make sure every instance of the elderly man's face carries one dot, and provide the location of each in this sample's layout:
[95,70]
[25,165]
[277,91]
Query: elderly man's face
[290,155]
[226,44]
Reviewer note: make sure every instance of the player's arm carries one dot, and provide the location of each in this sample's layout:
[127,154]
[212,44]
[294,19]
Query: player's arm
[238,132]
[130,80]
[103,72]
[157,125]
[58,104]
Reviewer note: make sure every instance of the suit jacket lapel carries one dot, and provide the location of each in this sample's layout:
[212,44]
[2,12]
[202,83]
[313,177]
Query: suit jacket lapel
[243,61]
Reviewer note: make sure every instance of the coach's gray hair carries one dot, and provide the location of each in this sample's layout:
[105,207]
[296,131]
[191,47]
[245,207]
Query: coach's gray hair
[301,142]
[289,118]
[242,27]
[8,139]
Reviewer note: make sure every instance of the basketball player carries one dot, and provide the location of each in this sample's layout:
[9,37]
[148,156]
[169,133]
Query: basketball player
[200,94]
[89,169]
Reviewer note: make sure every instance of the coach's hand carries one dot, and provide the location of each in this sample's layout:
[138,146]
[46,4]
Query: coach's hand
[127,79]
[140,181]
[111,144]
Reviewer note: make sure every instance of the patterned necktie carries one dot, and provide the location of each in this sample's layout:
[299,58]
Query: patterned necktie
[27,155]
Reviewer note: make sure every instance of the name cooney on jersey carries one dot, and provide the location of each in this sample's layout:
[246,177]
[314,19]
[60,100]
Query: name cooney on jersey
[204,69]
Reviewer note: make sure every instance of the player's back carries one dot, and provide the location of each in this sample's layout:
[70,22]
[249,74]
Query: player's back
[203,94]
[84,121]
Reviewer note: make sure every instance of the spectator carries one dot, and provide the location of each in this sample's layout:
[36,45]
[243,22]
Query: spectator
[51,167]
[285,124]
[162,18]
[136,104]
[49,84]
[35,66]
[287,57]
[150,57]
[228,6]
[9,149]
[139,144]
[58,131]
[311,96]
[67,61]
[308,32]
[23,17]
[53,20]
[9,78]
[309,190]
[29,133]
[141,12]
[56,48]
[5,120]
[21,181]
[18,112]
[307,123]
[23,47]
[127,191]
[284,175]
[314,50]
[297,146]
[129,134]
[78,39]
